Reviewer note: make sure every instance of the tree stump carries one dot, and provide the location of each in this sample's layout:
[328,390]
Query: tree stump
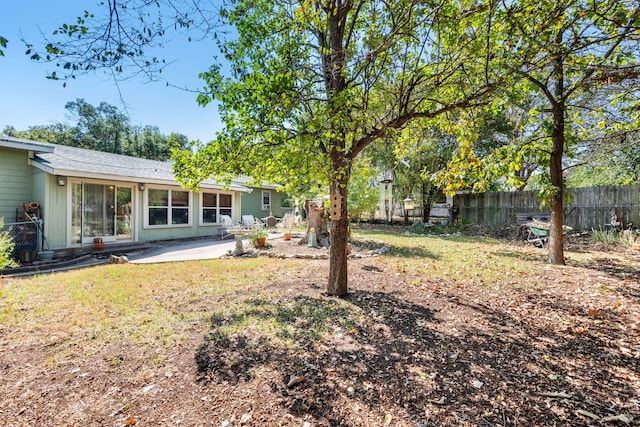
[317,220]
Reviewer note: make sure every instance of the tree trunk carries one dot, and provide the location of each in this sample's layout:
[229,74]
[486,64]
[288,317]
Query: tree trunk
[556,240]
[426,211]
[339,243]
[333,64]
[426,204]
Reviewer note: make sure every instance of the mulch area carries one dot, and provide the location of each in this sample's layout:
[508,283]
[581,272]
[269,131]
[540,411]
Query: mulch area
[401,351]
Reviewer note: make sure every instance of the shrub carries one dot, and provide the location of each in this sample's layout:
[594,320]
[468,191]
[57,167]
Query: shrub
[417,228]
[6,247]
[630,238]
[608,237]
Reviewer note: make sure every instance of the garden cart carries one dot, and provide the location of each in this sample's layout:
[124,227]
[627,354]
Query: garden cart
[538,233]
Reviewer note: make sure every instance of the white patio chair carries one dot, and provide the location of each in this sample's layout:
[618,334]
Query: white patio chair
[287,222]
[227,224]
[250,221]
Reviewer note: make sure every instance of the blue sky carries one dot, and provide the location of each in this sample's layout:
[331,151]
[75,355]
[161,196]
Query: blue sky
[28,98]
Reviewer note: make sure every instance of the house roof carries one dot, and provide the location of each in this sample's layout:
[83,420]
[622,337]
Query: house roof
[79,162]
[246,180]
[25,144]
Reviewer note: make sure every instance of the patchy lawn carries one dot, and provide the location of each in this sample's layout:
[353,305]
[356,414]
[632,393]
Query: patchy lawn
[436,331]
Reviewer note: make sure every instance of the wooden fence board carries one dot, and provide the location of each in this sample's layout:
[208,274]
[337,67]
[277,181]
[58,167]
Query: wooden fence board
[587,208]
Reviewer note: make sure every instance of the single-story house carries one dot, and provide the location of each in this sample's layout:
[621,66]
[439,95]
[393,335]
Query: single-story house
[83,194]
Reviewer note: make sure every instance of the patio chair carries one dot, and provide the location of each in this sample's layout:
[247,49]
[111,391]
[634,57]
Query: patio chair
[227,224]
[250,221]
[287,222]
[271,221]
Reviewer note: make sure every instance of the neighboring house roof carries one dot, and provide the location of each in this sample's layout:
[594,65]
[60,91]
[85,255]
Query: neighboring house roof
[79,162]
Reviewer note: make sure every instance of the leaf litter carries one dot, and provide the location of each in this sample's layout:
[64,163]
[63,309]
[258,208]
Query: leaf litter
[392,352]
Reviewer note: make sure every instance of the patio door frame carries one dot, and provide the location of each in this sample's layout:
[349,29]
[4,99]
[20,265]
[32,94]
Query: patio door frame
[109,205]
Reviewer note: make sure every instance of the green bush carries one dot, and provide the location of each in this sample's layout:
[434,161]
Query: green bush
[6,248]
[363,198]
[417,228]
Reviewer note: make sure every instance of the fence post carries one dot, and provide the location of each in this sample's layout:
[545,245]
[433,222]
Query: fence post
[40,236]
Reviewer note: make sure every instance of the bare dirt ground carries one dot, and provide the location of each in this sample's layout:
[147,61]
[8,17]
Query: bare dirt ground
[401,350]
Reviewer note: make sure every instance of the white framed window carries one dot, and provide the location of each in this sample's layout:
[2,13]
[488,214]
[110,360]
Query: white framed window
[212,205]
[266,200]
[167,207]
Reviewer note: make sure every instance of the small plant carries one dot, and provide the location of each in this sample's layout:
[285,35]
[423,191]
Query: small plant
[6,248]
[122,227]
[258,237]
[629,238]
[608,237]
[417,228]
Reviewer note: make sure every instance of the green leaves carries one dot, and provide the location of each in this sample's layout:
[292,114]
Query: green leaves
[6,247]
[298,77]
[118,38]
[3,45]
[563,62]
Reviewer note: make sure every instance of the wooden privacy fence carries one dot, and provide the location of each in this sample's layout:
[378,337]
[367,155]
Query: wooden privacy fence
[587,208]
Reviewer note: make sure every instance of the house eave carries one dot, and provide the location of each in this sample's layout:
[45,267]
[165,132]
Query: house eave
[25,144]
[120,178]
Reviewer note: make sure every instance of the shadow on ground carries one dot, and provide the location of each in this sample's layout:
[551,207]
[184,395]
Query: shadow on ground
[375,355]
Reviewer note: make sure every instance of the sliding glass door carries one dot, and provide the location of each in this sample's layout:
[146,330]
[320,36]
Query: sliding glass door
[100,210]
[124,213]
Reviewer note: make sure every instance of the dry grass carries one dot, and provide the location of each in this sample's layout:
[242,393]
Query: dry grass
[84,310]
[428,310]
[154,305]
[466,260]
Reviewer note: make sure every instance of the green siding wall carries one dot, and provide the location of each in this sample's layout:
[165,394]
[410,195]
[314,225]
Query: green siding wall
[196,230]
[21,183]
[54,208]
[15,182]
[252,203]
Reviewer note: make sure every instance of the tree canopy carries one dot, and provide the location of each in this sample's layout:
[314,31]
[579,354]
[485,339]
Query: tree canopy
[309,85]
[104,128]
[614,161]
[305,86]
[574,65]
